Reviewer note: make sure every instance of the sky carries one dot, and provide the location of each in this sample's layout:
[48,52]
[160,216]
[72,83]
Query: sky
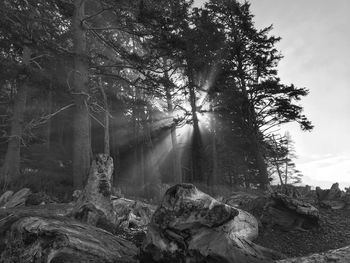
[316,48]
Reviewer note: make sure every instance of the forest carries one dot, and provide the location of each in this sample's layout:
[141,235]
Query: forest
[151,131]
[172,93]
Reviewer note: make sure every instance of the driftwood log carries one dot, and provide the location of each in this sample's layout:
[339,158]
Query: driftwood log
[341,255]
[40,235]
[191,226]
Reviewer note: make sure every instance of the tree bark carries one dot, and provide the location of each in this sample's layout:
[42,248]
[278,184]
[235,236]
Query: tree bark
[177,172]
[106,128]
[196,140]
[11,167]
[81,125]
[48,131]
[214,173]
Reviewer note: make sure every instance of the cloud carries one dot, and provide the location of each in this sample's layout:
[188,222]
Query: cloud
[326,169]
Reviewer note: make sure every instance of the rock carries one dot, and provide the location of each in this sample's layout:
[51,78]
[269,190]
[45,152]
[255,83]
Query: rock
[95,201]
[341,255]
[191,226]
[19,198]
[131,214]
[40,239]
[289,213]
[5,197]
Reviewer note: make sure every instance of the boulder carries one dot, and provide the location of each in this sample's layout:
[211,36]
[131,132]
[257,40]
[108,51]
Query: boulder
[5,197]
[341,255]
[18,199]
[191,226]
[289,213]
[29,239]
[95,200]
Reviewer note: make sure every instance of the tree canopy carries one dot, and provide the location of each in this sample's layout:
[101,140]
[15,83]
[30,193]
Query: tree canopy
[173,93]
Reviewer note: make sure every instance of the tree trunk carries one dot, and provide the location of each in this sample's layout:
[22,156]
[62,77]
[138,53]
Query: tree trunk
[196,140]
[261,164]
[81,125]
[253,132]
[177,172]
[48,131]
[11,167]
[214,174]
[106,128]
[139,144]
[276,162]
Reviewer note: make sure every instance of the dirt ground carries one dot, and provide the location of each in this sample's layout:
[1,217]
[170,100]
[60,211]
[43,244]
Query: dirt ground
[333,233]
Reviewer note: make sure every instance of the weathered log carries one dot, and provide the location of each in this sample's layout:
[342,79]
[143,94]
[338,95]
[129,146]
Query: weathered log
[5,197]
[27,239]
[131,213]
[18,199]
[191,226]
[289,213]
[341,255]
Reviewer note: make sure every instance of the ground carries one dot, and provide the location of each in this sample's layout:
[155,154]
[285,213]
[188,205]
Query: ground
[333,232]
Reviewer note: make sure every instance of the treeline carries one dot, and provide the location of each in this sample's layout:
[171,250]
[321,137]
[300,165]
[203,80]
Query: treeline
[172,93]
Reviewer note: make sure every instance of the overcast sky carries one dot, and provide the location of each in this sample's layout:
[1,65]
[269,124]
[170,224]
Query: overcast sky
[316,48]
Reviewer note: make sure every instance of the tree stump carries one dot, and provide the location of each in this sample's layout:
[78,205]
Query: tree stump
[95,201]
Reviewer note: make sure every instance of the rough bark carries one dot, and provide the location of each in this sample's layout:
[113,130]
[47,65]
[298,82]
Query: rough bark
[196,138]
[212,178]
[177,173]
[81,125]
[11,166]
[48,131]
[106,123]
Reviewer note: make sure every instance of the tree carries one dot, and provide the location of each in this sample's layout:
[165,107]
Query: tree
[282,154]
[22,23]
[249,67]
[81,121]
